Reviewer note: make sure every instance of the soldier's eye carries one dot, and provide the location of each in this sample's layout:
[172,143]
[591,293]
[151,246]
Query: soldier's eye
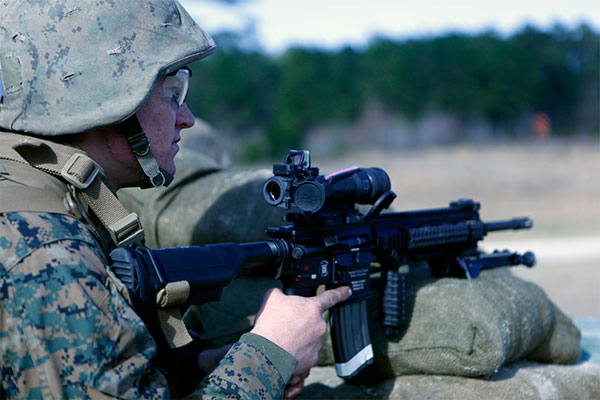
[176,86]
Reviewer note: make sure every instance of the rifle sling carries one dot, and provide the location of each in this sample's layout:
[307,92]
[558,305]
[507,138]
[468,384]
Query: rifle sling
[81,173]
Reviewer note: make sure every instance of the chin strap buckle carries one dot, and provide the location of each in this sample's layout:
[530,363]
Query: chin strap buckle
[155,175]
[139,144]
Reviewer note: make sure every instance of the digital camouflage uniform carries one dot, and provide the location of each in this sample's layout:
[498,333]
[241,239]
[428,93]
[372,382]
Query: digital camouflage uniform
[66,327]
[67,330]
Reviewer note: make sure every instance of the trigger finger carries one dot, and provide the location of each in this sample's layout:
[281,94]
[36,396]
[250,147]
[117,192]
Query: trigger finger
[331,297]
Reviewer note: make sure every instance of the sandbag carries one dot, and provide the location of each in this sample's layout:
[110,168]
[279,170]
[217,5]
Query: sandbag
[453,326]
[204,204]
[469,328]
[522,380]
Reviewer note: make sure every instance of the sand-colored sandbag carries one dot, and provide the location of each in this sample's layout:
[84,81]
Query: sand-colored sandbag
[468,328]
[522,380]
[453,326]
[562,345]
[204,204]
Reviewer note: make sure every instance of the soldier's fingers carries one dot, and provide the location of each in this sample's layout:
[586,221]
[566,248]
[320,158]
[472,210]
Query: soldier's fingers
[300,377]
[295,386]
[330,298]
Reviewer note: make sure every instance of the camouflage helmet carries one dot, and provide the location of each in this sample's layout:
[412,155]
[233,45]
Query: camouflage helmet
[68,66]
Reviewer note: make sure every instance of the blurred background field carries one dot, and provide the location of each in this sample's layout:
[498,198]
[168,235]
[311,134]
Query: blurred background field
[492,101]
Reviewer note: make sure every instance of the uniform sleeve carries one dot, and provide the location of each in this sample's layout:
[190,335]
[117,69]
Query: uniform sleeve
[66,330]
[254,368]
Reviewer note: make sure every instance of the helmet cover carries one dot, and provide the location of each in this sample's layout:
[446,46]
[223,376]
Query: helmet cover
[68,66]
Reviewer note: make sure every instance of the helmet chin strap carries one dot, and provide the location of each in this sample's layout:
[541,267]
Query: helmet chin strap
[152,174]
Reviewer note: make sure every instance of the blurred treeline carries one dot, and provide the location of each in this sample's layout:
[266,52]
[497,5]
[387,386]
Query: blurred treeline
[532,82]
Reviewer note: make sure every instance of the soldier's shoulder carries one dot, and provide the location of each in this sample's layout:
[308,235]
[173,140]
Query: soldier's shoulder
[21,233]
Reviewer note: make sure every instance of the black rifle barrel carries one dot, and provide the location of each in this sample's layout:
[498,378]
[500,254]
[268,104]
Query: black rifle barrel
[515,223]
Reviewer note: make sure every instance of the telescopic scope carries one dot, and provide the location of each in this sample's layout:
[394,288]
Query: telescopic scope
[296,184]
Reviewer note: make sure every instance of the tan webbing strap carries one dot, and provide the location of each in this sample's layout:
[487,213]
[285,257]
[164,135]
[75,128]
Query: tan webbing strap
[168,301]
[81,172]
[124,227]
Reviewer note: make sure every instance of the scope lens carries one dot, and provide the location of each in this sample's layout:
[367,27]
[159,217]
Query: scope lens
[272,192]
[309,196]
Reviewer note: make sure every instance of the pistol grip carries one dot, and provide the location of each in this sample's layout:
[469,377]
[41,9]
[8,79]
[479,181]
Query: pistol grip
[352,348]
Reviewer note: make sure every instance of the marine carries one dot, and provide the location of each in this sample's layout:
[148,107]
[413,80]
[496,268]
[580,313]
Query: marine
[93,100]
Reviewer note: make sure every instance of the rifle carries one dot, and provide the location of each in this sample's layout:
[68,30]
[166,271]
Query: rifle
[329,242]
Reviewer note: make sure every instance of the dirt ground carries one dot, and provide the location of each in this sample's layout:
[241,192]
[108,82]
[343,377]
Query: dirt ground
[556,183]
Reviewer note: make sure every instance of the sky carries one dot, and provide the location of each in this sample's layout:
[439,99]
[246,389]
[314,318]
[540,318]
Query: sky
[335,23]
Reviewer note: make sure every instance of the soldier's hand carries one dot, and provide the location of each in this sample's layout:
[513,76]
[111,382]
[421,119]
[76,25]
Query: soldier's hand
[296,323]
[294,388]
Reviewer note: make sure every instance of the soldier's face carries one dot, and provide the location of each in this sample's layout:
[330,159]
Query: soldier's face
[162,118]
